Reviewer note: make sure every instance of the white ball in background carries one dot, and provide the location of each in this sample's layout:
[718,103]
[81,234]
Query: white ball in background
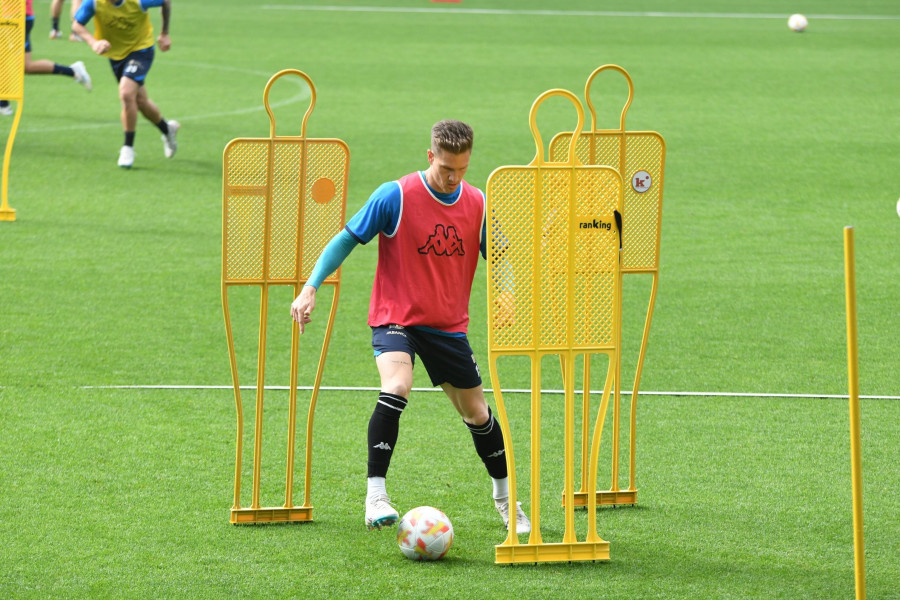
[797,23]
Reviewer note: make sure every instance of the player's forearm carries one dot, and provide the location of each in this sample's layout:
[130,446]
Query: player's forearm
[166,12]
[332,257]
[82,32]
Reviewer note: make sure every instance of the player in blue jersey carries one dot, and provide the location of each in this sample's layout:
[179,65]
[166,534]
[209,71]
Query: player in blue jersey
[431,229]
[45,67]
[123,33]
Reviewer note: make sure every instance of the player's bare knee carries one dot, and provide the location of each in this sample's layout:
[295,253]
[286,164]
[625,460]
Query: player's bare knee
[128,99]
[475,414]
[398,388]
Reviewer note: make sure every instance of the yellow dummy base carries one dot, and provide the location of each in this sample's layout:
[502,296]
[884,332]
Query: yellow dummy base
[296,514]
[605,498]
[551,552]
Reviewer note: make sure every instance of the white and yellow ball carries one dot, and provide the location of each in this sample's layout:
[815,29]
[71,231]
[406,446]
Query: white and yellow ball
[425,533]
[797,23]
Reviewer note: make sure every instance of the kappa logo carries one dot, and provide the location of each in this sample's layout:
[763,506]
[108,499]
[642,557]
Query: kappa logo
[445,241]
[382,446]
[496,454]
[641,182]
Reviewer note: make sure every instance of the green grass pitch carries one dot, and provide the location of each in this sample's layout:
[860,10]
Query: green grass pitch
[775,142]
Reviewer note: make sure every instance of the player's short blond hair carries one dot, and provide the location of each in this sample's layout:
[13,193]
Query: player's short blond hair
[451,136]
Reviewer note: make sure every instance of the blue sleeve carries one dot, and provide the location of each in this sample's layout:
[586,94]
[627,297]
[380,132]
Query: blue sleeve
[85,12]
[380,213]
[484,228]
[332,256]
[484,239]
[145,4]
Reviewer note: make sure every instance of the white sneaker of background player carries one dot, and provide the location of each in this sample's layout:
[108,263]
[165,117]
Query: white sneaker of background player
[126,157]
[81,75]
[169,143]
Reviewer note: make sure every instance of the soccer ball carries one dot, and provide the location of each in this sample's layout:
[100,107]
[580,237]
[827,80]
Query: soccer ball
[425,533]
[797,23]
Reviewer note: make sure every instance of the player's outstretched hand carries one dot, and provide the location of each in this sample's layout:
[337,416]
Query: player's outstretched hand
[303,305]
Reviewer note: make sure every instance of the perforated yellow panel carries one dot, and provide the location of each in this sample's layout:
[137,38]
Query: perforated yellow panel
[644,152]
[552,261]
[12,48]
[307,196]
[283,199]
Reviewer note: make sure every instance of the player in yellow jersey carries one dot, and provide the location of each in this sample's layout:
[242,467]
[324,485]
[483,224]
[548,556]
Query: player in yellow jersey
[123,33]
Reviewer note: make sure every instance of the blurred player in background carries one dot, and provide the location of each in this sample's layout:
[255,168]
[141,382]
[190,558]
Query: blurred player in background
[55,12]
[45,67]
[123,33]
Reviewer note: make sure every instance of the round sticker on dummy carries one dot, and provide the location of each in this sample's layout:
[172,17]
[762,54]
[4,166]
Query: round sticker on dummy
[323,190]
[641,182]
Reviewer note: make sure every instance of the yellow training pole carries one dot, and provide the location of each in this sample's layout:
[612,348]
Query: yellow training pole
[317,384]
[855,450]
[7,212]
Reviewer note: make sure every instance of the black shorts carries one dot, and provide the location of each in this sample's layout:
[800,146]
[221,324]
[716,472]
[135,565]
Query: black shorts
[448,359]
[135,66]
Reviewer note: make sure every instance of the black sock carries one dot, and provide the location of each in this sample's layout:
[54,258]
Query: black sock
[489,445]
[129,138]
[59,69]
[384,426]
[56,23]
[163,126]
[4,103]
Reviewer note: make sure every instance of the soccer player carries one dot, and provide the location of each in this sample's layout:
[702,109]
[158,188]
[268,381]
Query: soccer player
[430,226]
[55,13]
[123,33]
[45,67]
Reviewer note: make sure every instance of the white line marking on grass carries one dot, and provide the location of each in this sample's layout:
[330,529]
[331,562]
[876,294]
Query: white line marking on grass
[571,13]
[303,94]
[487,390]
